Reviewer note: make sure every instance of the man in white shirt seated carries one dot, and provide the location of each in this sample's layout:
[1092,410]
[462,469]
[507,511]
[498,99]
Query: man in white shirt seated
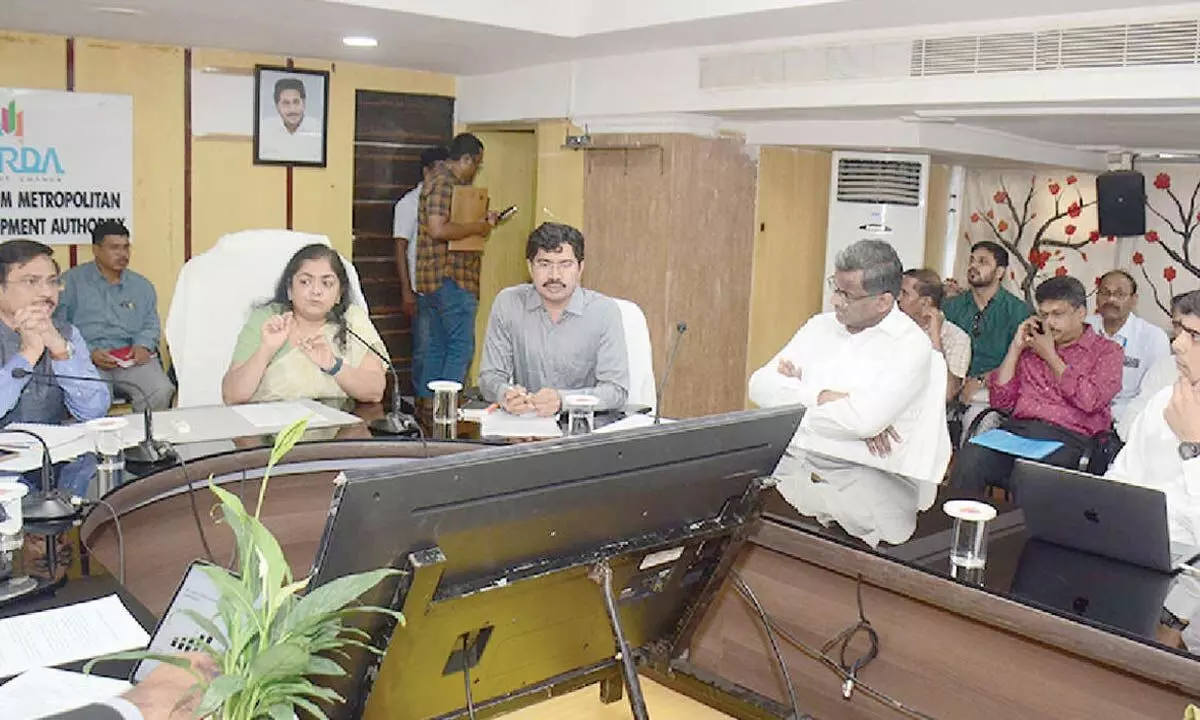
[1144,343]
[1163,450]
[875,393]
[1161,374]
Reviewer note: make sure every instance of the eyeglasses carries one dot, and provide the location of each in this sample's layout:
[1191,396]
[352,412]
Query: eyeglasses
[54,283]
[1119,296]
[977,324]
[838,292]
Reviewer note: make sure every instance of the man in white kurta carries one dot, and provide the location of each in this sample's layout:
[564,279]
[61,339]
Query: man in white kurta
[874,393]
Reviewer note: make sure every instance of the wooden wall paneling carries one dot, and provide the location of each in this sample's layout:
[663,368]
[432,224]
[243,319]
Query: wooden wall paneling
[673,234]
[391,130]
[625,210]
[936,216]
[712,185]
[791,223]
[935,661]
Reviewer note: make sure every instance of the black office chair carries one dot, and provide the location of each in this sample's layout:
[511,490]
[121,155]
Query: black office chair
[1096,458]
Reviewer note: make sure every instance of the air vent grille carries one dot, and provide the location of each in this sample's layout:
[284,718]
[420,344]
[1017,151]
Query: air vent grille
[888,182]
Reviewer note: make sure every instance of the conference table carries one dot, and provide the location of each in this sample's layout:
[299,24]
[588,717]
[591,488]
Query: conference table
[1051,633]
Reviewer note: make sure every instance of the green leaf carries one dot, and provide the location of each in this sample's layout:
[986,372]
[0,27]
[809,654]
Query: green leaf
[318,665]
[315,711]
[334,596]
[141,655]
[285,440]
[209,627]
[281,712]
[279,661]
[219,690]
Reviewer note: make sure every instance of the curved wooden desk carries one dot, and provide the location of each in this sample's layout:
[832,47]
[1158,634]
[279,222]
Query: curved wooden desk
[160,529]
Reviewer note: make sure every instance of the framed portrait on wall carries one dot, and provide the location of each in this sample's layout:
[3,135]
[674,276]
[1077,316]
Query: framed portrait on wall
[291,116]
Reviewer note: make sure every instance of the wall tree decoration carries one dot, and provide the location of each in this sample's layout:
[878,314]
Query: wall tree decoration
[1183,223]
[1016,226]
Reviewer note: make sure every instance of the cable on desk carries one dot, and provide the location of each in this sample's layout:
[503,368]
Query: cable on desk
[120,536]
[466,661]
[770,624]
[749,595]
[195,511]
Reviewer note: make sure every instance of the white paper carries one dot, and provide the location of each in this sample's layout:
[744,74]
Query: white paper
[499,423]
[633,422]
[39,692]
[54,435]
[75,632]
[272,415]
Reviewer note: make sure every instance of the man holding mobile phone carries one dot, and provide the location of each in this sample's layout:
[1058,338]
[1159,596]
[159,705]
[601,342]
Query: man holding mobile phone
[1058,379]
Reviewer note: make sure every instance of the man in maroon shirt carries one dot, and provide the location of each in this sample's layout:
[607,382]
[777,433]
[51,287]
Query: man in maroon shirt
[1058,380]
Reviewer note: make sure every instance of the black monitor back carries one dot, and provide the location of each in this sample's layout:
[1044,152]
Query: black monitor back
[496,546]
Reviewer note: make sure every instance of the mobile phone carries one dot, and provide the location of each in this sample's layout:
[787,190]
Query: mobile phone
[1039,326]
[506,213]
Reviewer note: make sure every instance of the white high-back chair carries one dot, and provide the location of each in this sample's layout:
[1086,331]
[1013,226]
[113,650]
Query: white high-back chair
[642,385]
[215,293]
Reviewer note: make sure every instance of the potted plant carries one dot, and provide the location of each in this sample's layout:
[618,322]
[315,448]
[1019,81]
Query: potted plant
[271,640]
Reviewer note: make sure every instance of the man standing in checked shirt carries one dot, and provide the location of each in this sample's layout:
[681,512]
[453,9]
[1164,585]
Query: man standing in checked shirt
[448,282]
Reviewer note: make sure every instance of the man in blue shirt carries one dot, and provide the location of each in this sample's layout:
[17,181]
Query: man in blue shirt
[31,339]
[116,309]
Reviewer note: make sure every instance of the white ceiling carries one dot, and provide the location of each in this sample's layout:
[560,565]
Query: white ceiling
[482,36]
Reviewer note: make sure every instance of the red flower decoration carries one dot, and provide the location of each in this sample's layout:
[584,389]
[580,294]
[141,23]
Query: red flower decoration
[1070,229]
[974,217]
[1152,236]
[991,214]
[1112,238]
[1000,196]
[1094,236]
[1055,188]
[1138,259]
[1169,273]
[1074,210]
[1071,179]
[1002,226]
[1097,281]
[1162,181]
[1061,271]
[1038,258]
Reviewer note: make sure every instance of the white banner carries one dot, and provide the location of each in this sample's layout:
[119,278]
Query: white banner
[66,163]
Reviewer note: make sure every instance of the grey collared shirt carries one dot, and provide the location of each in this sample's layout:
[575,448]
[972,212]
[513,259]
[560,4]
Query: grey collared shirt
[583,353]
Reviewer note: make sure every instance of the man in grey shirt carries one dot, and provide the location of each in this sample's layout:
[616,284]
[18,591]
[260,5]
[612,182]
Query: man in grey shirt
[552,338]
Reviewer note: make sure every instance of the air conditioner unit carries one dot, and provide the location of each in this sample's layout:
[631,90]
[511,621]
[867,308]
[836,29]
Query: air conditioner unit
[877,196]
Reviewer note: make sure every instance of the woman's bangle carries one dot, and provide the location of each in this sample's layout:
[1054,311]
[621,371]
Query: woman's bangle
[337,367]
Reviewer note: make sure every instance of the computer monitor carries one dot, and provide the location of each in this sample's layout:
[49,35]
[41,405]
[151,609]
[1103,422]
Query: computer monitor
[500,549]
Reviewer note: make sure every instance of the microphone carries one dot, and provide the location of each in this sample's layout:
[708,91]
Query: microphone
[395,422]
[49,503]
[149,450]
[680,329]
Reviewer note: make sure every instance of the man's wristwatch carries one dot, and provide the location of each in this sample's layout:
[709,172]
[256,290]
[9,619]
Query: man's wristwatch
[1171,620]
[1189,450]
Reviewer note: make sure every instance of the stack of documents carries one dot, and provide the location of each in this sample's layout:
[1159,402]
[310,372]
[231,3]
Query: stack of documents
[499,423]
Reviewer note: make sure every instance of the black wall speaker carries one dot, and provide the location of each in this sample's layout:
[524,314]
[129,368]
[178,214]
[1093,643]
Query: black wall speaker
[1121,203]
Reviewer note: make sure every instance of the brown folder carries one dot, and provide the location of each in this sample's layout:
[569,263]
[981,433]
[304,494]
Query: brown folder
[469,204]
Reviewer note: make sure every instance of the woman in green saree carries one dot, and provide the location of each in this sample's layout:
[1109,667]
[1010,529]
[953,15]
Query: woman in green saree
[308,341]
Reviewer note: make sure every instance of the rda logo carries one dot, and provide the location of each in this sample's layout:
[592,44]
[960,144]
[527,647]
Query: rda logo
[12,120]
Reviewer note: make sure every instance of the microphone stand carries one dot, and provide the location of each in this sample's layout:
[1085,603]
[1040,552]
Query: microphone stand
[149,451]
[680,329]
[395,422]
[49,503]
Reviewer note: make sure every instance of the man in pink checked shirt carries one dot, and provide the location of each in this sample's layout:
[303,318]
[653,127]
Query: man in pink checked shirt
[1058,379]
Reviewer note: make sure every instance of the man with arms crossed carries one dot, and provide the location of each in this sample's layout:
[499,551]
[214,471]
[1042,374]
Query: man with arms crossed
[553,338]
[875,395]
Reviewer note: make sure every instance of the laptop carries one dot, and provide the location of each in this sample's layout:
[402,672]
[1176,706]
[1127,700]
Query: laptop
[1104,517]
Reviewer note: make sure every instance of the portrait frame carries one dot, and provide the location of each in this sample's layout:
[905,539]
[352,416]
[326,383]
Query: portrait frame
[273,140]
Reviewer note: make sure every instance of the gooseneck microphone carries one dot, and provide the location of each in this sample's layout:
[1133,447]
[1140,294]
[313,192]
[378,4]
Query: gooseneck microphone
[47,503]
[680,329]
[395,422]
[149,450]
